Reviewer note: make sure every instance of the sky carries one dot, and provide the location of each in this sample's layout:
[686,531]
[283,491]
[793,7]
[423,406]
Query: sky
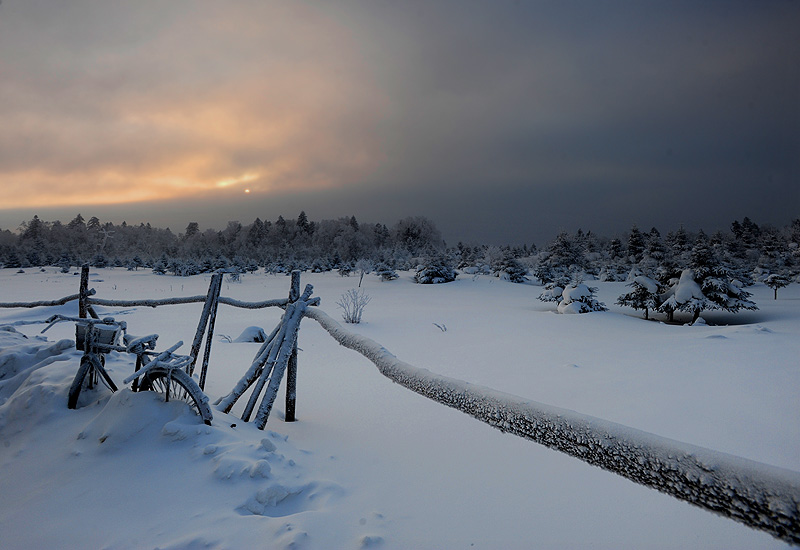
[503,122]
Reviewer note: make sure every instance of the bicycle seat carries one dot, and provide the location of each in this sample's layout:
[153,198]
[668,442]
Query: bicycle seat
[137,344]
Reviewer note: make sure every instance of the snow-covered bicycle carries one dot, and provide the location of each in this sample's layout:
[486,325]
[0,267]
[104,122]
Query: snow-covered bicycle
[163,372]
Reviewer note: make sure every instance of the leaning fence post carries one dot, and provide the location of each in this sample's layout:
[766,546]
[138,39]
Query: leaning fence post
[212,299]
[291,368]
[211,320]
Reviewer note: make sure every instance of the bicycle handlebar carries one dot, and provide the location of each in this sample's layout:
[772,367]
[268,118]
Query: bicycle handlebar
[87,322]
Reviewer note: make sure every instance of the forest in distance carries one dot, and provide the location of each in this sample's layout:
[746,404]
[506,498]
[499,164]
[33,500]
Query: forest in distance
[746,253]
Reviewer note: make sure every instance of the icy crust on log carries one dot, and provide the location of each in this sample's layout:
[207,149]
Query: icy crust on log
[761,496]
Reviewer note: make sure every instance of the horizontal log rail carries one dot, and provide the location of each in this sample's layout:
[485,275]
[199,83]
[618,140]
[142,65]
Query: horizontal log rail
[43,303]
[758,495]
[148,303]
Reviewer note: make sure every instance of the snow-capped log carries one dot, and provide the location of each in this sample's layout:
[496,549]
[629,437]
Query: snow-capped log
[761,496]
[281,302]
[43,303]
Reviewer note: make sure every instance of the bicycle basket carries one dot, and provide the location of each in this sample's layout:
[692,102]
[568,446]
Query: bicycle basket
[104,335]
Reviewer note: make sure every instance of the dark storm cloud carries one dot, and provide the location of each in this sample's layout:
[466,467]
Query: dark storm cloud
[504,121]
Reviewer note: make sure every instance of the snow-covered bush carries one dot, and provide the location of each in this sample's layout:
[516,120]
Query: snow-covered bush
[579,298]
[160,267]
[480,269]
[512,270]
[98,260]
[320,265]
[385,272]
[434,273]
[645,295]
[552,293]
[572,298]
[353,303]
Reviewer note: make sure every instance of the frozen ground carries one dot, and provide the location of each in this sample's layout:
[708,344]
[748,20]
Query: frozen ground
[370,464]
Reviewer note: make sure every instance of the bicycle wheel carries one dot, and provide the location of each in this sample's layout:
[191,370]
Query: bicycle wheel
[177,386]
[77,382]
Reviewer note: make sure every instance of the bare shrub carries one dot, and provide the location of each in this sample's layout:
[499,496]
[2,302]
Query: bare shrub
[352,303]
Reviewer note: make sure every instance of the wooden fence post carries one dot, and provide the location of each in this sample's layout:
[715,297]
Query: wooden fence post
[210,336]
[291,368]
[83,292]
[207,318]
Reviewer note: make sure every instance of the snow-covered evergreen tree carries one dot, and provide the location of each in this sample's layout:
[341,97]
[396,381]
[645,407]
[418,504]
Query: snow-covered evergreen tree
[636,245]
[579,298]
[503,264]
[552,293]
[643,296]
[776,281]
[562,258]
[385,272]
[435,271]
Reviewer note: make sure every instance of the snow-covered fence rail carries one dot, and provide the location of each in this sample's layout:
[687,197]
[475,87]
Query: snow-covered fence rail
[281,302]
[187,300]
[758,495]
[43,303]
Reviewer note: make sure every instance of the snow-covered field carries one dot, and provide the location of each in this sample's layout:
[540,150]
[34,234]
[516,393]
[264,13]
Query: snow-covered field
[370,464]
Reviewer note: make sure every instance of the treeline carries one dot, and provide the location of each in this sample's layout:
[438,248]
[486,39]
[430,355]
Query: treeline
[746,251]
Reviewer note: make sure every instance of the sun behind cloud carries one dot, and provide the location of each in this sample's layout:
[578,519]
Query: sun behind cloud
[297,112]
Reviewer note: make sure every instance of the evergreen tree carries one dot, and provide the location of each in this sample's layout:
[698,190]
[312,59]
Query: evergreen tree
[435,270]
[561,259]
[302,222]
[643,296]
[707,287]
[636,245]
[385,272]
[191,230]
[77,224]
[776,281]
[579,298]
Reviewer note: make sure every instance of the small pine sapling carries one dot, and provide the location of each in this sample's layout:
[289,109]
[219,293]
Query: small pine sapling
[385,272]
[776,281]
[645,295]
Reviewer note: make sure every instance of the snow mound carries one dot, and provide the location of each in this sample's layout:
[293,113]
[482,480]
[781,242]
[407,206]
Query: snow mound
[252,334]
[28,393]
[231,474]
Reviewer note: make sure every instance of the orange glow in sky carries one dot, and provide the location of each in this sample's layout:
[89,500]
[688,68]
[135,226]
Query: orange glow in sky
[125,125]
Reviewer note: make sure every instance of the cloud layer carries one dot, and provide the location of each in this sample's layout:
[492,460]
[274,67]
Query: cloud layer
[498,120]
